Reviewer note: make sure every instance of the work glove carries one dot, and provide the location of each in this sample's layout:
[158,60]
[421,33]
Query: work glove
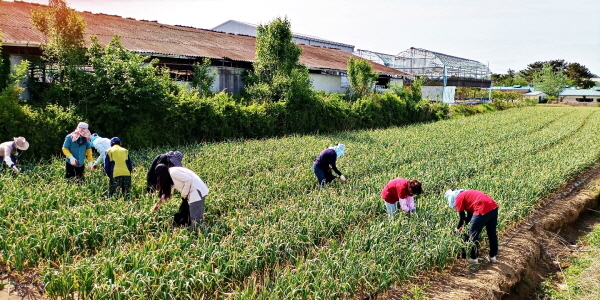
[90,166]
[343,178]
[15,169]
[72,160]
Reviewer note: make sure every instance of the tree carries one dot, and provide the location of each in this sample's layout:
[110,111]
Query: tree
[533,68]
[204,77]
[579,75]
[64,30]
[277,75]
[362,78]
[509,79]
[549,81]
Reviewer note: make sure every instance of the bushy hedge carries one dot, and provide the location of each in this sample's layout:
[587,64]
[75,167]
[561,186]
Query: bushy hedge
[44,127]
[192,119]
[472,109]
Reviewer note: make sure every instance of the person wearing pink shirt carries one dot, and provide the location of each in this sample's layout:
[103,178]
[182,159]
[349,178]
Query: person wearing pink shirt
[400,191]
[480,210]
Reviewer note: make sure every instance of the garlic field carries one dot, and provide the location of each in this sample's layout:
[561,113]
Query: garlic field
[269,231]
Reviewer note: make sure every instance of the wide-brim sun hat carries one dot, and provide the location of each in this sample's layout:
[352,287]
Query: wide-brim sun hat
[21,143]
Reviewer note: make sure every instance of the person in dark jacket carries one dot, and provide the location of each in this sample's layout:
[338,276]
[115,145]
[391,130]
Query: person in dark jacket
[169,159]
[480,210]
[326,162]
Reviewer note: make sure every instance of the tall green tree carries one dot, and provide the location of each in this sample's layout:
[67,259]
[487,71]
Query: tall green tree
[361,76]
[64,30]
[277,74]
[533,68]
[580,75]
[549,81]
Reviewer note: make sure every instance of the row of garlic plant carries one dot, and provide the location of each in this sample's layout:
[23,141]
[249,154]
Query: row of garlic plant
[265,218]
[419,243]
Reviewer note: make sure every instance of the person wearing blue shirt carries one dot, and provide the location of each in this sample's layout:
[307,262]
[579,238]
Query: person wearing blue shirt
[77,148]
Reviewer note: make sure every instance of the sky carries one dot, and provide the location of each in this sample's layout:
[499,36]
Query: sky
[506,34]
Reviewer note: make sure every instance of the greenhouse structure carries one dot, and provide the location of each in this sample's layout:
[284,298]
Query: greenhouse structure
[438,69]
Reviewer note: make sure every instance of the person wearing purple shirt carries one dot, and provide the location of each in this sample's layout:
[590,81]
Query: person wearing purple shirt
[325,163]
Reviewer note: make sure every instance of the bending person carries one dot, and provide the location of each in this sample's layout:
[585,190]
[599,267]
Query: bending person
[326,162]
[169,159]
[191,187]
[400,191]
[480,210]
[10,151]
[101,145]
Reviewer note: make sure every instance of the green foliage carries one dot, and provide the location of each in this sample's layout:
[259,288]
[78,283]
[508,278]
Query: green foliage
[377,110]
[549,81]
[277,75]
[204,77]
[579,75]
[362,78]
[125,95]
[4,67]
[65,30]
[43,127]
[576,73]
[284,238]
[509,79]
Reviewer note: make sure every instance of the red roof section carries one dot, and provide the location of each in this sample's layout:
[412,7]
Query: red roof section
[155,38]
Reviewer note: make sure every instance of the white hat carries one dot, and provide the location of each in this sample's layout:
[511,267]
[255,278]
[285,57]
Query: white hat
[451,196]
[83,125]
[21,143]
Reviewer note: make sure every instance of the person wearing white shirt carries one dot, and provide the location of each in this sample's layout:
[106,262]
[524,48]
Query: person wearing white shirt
[191,187]
[101,145]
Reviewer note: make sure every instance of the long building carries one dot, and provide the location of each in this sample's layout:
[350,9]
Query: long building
[179,47]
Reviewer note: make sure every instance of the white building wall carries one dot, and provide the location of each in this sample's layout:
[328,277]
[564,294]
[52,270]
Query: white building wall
[327,83]
[438,93]
[396,81]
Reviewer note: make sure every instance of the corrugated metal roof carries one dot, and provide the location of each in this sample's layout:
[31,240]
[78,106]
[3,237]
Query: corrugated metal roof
[578,92]
[153,37]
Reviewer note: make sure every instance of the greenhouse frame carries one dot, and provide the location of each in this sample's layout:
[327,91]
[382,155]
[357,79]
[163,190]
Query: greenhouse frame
[437,68]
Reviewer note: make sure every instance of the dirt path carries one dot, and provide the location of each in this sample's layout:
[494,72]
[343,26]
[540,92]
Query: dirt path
[528,252]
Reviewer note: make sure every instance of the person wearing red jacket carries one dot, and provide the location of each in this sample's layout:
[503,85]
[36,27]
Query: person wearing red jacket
[480,210]
[400,191]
